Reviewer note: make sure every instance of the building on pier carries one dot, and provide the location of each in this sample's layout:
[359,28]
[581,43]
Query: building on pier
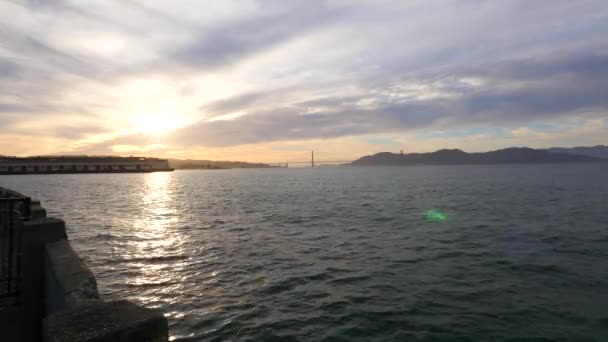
[81,164]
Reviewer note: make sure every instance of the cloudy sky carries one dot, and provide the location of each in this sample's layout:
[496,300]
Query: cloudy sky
[271,80]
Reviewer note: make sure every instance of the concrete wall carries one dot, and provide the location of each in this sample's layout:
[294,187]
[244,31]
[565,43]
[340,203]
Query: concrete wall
[59,297]
[100,321]
[7,193]
[36,234]
[68,280]
[74,311]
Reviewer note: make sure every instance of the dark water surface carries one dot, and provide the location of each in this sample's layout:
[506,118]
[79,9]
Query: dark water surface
[348,254]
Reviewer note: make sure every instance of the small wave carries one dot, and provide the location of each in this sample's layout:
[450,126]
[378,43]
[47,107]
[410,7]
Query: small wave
[552,239]
[319,277]
[447,255]
[154,260]
[106,236]
[239,229]
[335,306]
[350,280]
[335,270]
[151,285]
[384,219]
[538,269]
[283,286]
[603,322]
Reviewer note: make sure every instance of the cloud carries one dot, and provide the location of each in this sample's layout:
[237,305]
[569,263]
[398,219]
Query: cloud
[509,101]
[74,131]
[562,86]
[137,149]
[239,38]
[236,103]
[267,71]
[8,69]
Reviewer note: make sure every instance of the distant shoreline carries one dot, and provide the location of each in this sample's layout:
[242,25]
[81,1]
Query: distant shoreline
[514,155]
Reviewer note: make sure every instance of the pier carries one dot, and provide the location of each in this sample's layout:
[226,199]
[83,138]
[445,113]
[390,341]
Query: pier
[80,164]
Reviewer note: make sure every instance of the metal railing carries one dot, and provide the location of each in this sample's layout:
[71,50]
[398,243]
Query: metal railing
[14,211]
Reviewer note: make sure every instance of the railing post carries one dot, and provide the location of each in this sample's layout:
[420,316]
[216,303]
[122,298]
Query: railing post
[36,234]
[11,241]
[14,209]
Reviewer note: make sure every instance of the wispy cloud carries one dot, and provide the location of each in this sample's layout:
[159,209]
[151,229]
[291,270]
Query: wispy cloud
[250,72]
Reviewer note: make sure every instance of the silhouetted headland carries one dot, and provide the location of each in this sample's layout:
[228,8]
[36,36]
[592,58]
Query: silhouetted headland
[514,155]
[599,151]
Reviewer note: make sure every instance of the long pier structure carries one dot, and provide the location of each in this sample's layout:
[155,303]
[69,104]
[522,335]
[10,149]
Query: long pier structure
[81,164]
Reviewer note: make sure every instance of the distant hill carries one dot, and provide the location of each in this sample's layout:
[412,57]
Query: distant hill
[599,151]
[514,155]
[185,164]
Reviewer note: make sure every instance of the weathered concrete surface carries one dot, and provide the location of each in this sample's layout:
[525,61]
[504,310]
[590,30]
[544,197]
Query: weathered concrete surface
[98,321]
[36,210]
[36,234]
[7,193]
[11,323]
[59,299]
[68,280]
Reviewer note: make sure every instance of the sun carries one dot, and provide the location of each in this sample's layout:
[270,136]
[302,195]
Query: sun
[155,123]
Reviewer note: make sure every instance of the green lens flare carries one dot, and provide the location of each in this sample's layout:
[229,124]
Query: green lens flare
[435,216]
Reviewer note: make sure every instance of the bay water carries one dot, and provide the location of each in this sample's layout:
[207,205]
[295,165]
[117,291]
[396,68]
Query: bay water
[422,253]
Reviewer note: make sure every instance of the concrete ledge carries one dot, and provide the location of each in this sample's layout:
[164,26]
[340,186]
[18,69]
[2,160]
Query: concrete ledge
[36,210]
[11,323]
[98,321]
[60,291]
[9,193]
[44,227]
[68,281]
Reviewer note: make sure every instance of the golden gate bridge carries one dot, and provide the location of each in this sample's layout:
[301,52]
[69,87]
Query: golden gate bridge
[313,163]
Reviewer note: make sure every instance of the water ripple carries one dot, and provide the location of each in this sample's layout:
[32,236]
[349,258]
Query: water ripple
[346,254]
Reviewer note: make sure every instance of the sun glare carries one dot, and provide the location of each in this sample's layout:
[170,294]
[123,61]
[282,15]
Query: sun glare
[155,123]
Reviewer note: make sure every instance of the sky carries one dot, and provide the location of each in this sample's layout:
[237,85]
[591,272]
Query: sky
[270,80]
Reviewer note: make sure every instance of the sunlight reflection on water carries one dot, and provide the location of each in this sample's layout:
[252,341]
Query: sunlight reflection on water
[158,238]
